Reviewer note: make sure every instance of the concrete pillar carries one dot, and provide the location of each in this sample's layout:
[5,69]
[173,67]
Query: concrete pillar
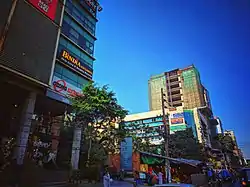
[23,134]
[76,147]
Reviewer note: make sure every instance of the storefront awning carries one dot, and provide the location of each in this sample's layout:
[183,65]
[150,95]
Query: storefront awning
[194,163]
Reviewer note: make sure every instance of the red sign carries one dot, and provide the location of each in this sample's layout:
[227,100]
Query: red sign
[48,7]
[177,120]
[62,87]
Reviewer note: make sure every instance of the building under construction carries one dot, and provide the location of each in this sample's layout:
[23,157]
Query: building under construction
[182,86]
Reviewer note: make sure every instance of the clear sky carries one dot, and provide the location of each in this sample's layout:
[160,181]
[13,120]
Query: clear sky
[140,38]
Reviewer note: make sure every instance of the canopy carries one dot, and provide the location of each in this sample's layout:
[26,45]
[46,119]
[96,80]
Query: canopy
[194,163]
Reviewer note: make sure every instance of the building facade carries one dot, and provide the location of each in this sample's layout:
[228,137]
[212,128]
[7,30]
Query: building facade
[178,119]
[75,52]
[154,91]
[46,54]
[182,86]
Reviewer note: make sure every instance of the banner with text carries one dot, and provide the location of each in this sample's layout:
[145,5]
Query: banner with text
[65,88]
[126,154]
[47,7]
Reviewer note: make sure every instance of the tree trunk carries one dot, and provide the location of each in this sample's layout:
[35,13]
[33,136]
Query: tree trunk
[89,150]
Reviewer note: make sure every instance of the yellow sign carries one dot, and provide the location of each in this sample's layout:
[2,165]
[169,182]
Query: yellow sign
[74,61]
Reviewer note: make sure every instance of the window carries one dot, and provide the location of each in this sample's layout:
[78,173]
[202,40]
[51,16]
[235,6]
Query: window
[72,30]
[74,9]
[69,76]
[75,51]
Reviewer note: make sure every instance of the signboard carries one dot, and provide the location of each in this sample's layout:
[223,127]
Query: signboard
[91,5]
[77,65]
[178,115]
[177,121]
[47,7]
[52,94]
[126,154]
[61,86]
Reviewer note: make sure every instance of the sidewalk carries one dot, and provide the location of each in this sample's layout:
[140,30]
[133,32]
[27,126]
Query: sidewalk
[113,184]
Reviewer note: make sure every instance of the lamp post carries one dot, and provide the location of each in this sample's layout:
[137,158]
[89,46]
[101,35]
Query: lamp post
[166,136]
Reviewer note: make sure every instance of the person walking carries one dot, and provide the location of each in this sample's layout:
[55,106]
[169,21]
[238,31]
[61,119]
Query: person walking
[160,174]
[106,179]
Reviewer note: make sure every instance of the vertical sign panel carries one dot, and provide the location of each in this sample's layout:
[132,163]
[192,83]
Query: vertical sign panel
[47,7]
[126,154]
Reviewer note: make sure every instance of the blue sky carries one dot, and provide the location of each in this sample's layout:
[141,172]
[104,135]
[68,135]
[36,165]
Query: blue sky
[140,38]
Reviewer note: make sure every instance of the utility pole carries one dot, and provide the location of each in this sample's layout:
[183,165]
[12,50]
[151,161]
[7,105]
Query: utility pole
[166,136]
[7,25]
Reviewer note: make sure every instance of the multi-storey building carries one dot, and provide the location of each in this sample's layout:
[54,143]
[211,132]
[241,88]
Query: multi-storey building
[75,52]
[182,87]
[178,120]
[46,54]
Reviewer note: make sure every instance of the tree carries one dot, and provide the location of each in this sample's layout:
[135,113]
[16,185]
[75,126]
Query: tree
[227,146]
[183,144]
[97,112]
[141,134]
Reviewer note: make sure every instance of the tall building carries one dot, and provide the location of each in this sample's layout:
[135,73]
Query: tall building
[46,54]
[182,86]
[75,52]
[154,91]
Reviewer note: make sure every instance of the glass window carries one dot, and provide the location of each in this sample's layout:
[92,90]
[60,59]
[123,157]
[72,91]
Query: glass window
[69,76]
[58,68]
[78,35]
[73,8]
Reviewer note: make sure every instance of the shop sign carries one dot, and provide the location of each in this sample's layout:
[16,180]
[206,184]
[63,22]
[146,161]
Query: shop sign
[61,86]
[47,7]
[93,5]
[73,62]
[175,121]
[178,115]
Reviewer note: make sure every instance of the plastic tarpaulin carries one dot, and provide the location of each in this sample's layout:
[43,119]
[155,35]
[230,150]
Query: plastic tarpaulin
[172,160]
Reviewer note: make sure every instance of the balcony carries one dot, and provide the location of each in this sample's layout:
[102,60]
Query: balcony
[177,102]
[174,83]
[175,89]
[176,95]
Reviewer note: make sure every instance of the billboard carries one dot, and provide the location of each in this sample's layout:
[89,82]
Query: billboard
[175,121]
[62,87]
[178,115]
[47,7]
[70,60]
[126,154]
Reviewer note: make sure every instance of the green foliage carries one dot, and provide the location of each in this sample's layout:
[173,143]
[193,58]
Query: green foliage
[97,112]
[141,134]
[227,145]
[226,142]
[182,144]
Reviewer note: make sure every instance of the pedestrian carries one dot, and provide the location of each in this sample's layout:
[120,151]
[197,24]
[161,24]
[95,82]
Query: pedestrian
[106,179]
[160,174]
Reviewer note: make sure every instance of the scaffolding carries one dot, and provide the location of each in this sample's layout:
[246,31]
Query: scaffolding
[192,91]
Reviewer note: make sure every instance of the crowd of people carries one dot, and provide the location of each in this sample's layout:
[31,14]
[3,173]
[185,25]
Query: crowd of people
[221,175]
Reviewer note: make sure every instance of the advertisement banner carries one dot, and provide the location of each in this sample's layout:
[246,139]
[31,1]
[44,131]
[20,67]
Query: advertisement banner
[175,121]
[47,7]
[70,60]
[126,154]
[62,87]
[178,115]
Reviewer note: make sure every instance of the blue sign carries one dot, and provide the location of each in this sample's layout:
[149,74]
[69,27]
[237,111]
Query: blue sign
[57,96]
[126,154]
[178,115]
